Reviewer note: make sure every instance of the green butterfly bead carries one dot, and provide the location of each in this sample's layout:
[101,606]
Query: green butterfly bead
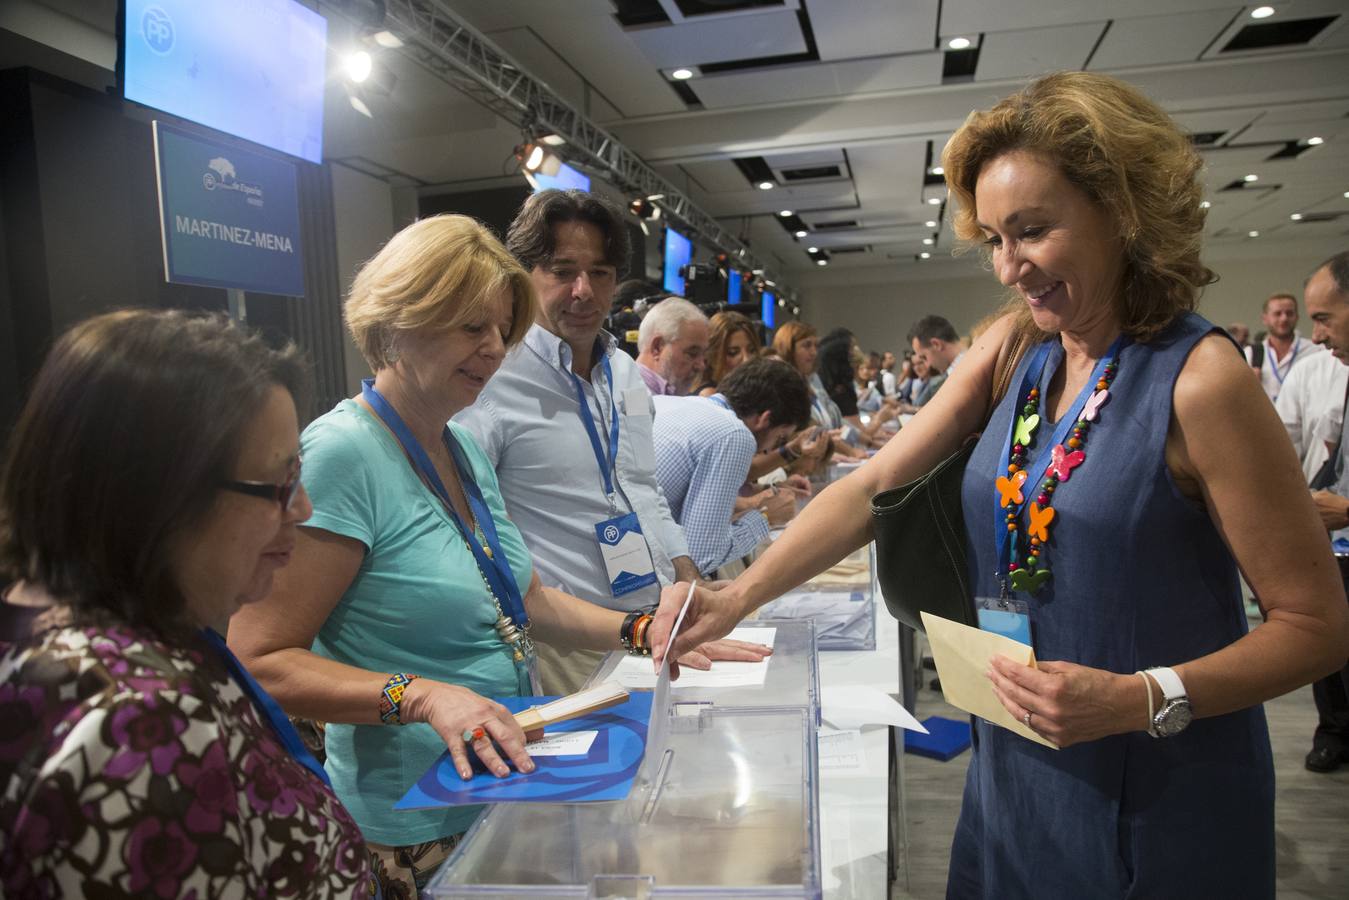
[1025,580]
[1025,427]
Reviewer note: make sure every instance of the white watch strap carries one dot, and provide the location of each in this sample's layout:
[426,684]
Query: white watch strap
[1169,681]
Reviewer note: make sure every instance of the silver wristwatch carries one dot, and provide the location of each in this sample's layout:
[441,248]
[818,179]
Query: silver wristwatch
[1175,714]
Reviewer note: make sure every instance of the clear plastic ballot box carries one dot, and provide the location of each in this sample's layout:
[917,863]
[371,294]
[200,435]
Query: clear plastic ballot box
[725,805]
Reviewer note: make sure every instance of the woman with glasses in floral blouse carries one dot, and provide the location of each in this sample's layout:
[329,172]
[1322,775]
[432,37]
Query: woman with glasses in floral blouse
[151,489]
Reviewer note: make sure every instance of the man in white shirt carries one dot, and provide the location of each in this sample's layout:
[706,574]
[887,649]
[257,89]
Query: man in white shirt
[672,347]
[1310,405]
[937,339]
[1327,295]
[566,422]
[1282,347]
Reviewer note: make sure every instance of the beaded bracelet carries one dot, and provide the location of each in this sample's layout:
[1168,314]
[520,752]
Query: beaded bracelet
[629,634]
[391,698]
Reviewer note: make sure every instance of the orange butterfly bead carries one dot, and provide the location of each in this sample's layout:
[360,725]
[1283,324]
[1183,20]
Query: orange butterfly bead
[1010,488]
[1039,521]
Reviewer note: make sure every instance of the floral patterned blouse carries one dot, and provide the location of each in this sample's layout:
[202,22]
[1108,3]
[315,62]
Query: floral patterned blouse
[130,767]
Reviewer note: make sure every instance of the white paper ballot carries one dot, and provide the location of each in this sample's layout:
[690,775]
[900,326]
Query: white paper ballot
[634,672]
[563,743]
[842,750]
[849,706]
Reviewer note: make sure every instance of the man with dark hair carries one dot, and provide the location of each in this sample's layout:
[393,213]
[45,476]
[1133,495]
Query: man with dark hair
[1282,347]
[1327,296]
[937,339]
[566,422]
[704,446]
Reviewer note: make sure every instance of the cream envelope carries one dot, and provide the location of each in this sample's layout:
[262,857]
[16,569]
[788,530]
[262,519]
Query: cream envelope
[963,654]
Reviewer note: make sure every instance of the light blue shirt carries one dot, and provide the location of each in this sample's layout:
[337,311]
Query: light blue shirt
[418,604]
[528,424]
[703,453]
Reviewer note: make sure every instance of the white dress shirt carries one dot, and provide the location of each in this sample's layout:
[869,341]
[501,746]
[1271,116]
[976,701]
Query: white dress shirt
[1273,375]
[1310,404]
[528,423]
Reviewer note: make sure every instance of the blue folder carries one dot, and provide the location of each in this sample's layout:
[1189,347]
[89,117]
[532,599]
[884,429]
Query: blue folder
[946,738]
[606,772]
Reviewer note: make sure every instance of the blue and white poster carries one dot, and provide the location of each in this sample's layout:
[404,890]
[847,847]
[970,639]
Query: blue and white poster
[604,772]
[230,217]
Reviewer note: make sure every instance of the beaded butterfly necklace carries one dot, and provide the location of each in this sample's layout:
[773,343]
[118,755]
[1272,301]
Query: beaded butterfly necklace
[1026,568]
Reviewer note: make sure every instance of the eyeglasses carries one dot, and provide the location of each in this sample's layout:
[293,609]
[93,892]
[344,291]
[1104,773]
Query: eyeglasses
[283,493]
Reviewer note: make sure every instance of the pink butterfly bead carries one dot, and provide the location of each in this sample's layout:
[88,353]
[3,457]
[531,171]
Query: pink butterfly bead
[1093,406]
[1062,462]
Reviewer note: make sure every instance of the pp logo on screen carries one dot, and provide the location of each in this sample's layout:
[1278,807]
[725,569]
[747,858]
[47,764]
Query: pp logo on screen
[611,534]
[157,29]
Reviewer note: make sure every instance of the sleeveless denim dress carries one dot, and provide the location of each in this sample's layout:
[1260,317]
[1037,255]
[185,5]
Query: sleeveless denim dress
[1141,578]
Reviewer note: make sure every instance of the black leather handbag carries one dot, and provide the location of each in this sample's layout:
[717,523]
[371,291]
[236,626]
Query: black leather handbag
[921,563]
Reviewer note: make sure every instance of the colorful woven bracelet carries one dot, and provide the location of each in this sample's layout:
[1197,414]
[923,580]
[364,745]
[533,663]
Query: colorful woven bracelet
[391,698]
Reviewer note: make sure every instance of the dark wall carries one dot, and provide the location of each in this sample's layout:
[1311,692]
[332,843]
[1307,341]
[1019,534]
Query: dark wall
[81,232]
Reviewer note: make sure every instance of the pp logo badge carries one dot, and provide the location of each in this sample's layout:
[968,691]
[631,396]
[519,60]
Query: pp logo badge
[157,29]
[611,534]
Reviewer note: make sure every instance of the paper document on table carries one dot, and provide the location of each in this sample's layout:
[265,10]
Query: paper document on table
[634,672]
[565,743]
[963,654]
[848,706]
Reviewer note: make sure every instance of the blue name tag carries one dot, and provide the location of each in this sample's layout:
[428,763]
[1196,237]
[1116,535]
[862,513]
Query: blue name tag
[1007,622]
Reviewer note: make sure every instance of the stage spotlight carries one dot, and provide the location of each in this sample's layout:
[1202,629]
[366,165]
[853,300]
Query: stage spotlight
[357,66]
[387,39]
[536,158]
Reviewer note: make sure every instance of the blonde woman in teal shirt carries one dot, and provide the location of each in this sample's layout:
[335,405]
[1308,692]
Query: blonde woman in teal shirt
[408,596]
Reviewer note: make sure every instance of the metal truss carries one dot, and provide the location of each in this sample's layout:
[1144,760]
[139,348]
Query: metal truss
[445,44]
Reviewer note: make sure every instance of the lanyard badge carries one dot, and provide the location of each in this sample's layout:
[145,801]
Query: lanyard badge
[627,558]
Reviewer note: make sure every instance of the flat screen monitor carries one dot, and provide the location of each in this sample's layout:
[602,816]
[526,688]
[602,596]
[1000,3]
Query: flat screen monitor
[678,254]
[566,179]
[733,287]
[770,309]
[251,68]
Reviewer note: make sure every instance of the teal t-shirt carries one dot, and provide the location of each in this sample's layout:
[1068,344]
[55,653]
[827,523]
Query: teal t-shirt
[418,604]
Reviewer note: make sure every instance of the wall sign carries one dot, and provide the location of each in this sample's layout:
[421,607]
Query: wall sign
[229,217]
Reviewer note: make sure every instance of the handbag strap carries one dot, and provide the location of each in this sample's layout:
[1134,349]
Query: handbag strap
[1003,378]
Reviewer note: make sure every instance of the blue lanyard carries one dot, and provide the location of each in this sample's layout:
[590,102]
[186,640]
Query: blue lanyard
[1036,474]
[266,707]
[1273,366]
[720,400]
[496,568]
[606,463]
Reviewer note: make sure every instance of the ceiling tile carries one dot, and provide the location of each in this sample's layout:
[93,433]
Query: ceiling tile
[847,29]
[974,16]
[1155,40]
[806,81]
[1036,51]
[720,39]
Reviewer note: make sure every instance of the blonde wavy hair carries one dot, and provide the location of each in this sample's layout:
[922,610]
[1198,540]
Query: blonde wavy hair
[438,274]
[1127,155]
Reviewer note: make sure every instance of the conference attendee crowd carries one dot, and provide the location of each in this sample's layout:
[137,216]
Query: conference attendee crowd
[195,563]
